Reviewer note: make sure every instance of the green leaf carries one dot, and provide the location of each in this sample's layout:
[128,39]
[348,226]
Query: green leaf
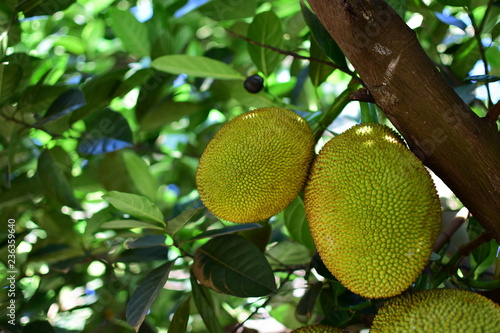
[135,205]
[306,303]
[125,171]
[132,33]
[181,317]
[451,20]
[368,112]
[22,190]
[197,66]
[285,314]
[465,57]
[168,112]
[10,77]
[265,29]
[107,131]
[287,253]
[296,223]
[399,6]
[483,78]
[72,44]
[146,293]
[226,231]
[67,102]
[43,7]
[484,257]
[205,306]
[328,302]
[181,220]
[54,222]
[220,10]
[318,72]
[259,236]
[323,37]
[232,265]
[26,63]
[99,91]
[129,224]
[147,241]
[54,169]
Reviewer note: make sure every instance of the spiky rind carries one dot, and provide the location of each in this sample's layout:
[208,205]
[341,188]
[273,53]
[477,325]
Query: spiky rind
[439,310]
[373,211]
[255,165]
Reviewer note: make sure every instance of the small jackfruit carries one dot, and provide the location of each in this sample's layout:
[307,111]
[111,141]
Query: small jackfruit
[255,165]
[439,310]
[317,328]
[373,211]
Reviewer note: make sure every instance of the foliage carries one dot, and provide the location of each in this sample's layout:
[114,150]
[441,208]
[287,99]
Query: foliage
[106,107]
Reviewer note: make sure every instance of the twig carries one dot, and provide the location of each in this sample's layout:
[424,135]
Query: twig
[467,248]
[29,126]
[493,113]
[482,51]
[464,250]
[240,325]
[293,54]
[447,233]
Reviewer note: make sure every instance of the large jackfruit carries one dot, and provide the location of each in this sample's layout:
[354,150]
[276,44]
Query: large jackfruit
[439,310]
[255,165]
[373,211]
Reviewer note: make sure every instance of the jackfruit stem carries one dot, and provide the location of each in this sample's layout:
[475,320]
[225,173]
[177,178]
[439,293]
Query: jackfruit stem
[368,113]
[357,307]
[464,250]
[481,285]
[335,109]
[446,234]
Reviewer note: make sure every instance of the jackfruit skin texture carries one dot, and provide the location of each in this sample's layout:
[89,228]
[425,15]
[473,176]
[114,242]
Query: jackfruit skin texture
[373,211]
[317,328]
[255,165]
[439,310]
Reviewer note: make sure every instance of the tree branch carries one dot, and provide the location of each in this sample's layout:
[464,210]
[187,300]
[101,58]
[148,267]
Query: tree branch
[460,147]
[493,113]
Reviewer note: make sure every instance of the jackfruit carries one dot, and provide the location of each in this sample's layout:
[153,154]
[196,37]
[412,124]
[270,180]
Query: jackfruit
[255,165]
[317,328]
[439,310]
[373,211]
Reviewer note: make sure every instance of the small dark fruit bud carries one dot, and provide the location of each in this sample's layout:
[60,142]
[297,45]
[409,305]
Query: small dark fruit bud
[254,84]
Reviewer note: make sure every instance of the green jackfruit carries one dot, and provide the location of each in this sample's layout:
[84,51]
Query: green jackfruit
[255,165]
[439,310]
[373,211]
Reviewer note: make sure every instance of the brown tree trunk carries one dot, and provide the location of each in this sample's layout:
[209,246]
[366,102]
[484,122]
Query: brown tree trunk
[461,148]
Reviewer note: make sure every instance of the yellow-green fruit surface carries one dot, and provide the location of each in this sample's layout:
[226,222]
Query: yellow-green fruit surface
[439,310]
[255,165]
[317,329]
[373,211]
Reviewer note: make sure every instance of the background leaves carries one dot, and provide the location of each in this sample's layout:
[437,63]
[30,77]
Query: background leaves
[195,66]
[135,205]
[232,265]
[145,294]
[265,29]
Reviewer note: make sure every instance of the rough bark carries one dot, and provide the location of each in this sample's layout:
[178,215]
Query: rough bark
[460,147]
